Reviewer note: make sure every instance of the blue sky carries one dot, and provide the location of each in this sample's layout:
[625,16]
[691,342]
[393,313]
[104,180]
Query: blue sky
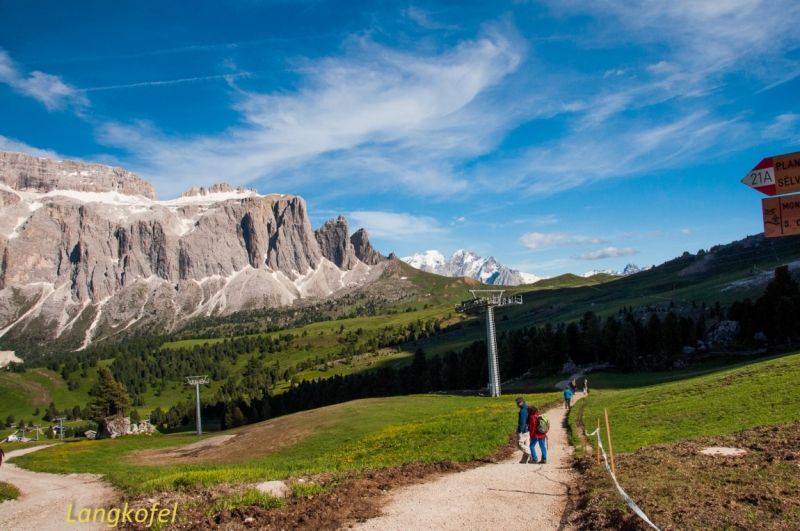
[559,136]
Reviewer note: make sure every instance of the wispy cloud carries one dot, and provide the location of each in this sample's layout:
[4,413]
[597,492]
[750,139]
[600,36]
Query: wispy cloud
[425,19]
[608,252]
[646,234]
[395,226]
[48,89]
[401,117]
[227,77]
[9,144]
[538,240]
[618,153]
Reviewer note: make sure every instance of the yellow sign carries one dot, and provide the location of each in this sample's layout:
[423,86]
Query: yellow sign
[781,215]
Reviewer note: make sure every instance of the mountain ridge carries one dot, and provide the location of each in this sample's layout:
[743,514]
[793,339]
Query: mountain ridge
[88,251]
[465,263]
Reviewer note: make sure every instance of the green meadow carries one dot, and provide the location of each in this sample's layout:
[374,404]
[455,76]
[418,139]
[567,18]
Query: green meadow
[352,436]
[645,409]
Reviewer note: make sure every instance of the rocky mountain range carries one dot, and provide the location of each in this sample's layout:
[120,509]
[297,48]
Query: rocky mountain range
[88,252]
[630,269]
[465,263]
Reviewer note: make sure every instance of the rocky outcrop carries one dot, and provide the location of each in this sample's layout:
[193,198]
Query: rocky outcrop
[27,173]
[119,426]
[335,245]
[221,188]
[363,248]
[89,264]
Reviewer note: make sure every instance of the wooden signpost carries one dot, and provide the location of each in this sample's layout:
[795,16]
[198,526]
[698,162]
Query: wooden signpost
[776,176]
[781,215]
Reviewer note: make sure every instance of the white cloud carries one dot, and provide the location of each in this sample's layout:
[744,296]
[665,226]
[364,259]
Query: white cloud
[608,252]
[613,72]
[701,36]
[226,77]
[48,89]
[538,240]
[400,117]
[394,226]
[424,19]
[685,231]
[647,234]
[621,152]
[9,144]
[785,127]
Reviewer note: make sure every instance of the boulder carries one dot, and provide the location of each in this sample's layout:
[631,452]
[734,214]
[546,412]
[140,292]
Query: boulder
[723,334]
[276,489]
[114,426]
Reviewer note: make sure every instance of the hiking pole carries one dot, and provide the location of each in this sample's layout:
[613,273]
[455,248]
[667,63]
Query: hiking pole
[598,445]
[610,448]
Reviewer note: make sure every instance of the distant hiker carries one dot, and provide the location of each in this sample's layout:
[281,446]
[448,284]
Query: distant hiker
[2,455]
[523,435]
[567,398]
[538,427]
[574,386]
[585,386]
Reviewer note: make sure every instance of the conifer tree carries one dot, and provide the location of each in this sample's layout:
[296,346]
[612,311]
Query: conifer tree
[109,397]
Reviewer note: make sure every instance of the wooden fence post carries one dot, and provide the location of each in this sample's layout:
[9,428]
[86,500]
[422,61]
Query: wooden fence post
[610,448]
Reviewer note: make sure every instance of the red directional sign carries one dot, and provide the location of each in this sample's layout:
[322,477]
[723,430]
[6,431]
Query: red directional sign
[776,175]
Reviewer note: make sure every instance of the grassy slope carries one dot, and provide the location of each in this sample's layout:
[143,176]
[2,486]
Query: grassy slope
[351,436]
[726,401]
[549,300]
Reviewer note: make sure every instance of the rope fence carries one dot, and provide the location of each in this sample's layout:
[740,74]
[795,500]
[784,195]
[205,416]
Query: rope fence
[627,499]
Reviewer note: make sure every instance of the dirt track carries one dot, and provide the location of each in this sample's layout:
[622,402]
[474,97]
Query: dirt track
[498,496]
[44,498]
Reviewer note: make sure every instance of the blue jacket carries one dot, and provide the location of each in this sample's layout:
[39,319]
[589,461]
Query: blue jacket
[567,394]
[523,419]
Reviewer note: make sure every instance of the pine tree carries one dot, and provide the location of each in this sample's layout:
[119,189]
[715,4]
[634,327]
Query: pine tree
[109,396]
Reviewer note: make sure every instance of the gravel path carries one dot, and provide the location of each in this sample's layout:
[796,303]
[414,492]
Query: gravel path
[45,498]
[507,495]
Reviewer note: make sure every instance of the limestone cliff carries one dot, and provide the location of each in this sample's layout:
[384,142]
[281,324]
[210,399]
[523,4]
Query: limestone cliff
[87,251]
[335,244]
[27,173]
[363,248]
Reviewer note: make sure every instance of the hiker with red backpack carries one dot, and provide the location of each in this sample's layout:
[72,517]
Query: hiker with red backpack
[538,426]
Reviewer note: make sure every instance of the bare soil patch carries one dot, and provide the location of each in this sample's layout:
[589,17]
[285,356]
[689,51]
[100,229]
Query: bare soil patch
[678,487]
[250,443]
[353,497]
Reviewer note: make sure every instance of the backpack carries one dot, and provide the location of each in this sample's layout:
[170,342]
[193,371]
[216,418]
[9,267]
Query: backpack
[543,425]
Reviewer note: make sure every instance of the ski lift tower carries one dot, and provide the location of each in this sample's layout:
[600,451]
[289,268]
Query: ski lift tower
[486,300]
[197,381]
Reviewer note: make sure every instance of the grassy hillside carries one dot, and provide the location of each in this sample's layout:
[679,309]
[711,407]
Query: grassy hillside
[644,412]
[568,280]
[407,308]
[659,431]
[350,436]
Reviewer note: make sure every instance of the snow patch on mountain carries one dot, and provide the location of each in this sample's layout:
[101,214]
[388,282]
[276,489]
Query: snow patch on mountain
[468,264]
[630,269]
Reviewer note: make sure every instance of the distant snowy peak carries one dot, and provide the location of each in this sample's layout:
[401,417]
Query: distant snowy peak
[630,269]
[426,262]
[465,263]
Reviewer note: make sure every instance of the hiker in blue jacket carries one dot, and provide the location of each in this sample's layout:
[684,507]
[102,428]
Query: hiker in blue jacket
[568,398]
[523,435]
